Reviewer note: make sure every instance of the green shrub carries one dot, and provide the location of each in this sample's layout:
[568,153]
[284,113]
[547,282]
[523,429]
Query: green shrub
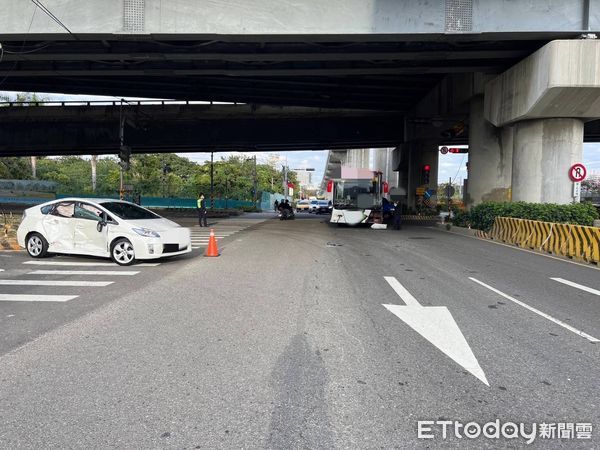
[481,217]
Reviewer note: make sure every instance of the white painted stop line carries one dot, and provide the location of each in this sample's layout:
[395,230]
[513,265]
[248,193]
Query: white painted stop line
[35,298]
[83,272]
[577,286]
[537,311]
[83,264]
[55,283]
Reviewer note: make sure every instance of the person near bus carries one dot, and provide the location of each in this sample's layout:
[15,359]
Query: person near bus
[397,216]
[201,204]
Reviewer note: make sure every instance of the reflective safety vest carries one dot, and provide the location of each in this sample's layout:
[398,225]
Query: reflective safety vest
[200,203]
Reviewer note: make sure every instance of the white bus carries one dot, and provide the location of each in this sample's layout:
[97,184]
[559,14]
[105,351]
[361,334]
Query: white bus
[357,200]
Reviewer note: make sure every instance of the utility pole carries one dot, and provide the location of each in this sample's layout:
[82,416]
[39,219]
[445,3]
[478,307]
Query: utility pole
[212,174]
[34,167]
[285,179]
[255,197]
[94,166]
[121,141]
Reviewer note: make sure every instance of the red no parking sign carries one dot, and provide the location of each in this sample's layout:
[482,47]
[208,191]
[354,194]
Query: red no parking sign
[577,172]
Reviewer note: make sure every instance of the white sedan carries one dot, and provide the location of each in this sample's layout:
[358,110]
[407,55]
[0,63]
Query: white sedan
[111,228]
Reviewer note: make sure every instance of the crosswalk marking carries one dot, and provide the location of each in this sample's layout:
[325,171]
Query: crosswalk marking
[201,236]
[55,283]
[84,272]
[35,298]
[82,264]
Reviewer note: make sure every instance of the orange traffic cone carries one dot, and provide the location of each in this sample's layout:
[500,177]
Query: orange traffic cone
[212,249]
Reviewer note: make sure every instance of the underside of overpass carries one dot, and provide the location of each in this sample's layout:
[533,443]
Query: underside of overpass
[357,72]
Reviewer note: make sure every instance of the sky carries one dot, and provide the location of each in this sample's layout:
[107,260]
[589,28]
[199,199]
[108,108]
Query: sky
[450,165]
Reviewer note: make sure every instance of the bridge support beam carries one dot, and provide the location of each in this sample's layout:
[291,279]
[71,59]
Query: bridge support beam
[544,150]
[545,98]
[490,158]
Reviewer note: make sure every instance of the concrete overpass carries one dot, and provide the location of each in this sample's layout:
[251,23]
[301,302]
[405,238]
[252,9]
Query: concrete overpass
[522,75]
[94,128]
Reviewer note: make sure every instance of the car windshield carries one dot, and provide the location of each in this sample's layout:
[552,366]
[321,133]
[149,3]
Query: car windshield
[129,211]
[359,194]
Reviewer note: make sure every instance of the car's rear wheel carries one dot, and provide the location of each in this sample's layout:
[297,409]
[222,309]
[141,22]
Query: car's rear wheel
[122,252]
[37,245]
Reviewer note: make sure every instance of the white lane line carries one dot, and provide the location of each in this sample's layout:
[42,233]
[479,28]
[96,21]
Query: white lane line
[577,286]
[83,264]
[537,311]
[35,298]
[83,272]
[55,283]
[402,292]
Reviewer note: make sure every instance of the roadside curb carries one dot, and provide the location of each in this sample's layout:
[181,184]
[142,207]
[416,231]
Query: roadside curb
[464,231]
[486,236]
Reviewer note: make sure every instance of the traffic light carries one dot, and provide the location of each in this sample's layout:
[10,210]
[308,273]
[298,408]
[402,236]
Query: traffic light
[124,154]
[426,172]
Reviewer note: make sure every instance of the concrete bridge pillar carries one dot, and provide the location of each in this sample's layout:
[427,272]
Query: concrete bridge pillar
[490,158]
[544,150]
[546,98]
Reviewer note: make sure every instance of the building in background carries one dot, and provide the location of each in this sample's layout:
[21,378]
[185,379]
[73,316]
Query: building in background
[376,159]
[306,182]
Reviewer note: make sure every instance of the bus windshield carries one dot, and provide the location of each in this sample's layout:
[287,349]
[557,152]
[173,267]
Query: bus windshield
[355,194]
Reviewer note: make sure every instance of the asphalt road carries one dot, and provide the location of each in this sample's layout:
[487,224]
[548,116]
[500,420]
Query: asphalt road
[284,342]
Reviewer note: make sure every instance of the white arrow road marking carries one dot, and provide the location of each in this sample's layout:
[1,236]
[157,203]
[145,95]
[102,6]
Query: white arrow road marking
[35,298]
[537,311]
[436,324]
[578,286]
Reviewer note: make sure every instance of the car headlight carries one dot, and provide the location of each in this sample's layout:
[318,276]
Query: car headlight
[146,232]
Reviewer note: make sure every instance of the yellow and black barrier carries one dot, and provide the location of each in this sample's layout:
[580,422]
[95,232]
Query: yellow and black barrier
[573,241]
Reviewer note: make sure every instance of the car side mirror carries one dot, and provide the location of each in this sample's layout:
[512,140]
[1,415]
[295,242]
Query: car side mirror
[100,225]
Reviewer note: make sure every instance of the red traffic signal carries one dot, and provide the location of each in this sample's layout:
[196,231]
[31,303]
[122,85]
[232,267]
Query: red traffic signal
[426,171]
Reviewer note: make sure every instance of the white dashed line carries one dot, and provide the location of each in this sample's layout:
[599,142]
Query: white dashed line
[537,311]
[577,286]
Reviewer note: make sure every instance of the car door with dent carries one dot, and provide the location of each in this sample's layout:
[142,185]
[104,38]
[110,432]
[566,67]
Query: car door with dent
[90,231]
[59,227]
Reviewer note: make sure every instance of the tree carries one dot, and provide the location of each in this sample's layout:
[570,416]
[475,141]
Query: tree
[591,185]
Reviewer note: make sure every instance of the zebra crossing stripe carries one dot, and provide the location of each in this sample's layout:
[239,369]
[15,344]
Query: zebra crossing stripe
[83,264]
[35,298]
[83,272]
[55,283]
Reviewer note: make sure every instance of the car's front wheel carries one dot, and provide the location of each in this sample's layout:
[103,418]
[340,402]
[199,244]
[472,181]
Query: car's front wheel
[36,245]
[122,252]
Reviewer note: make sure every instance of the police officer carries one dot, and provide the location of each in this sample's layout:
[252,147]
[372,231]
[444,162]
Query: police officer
[397,216]
[202,210]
